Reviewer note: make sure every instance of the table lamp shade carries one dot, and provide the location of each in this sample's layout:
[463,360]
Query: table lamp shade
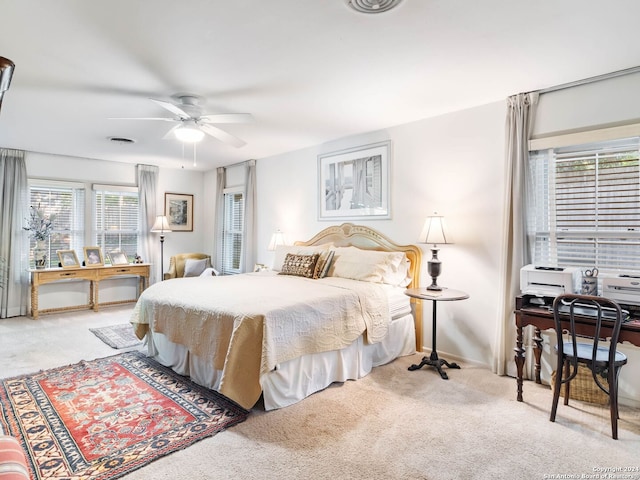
[277,238]
[435,231]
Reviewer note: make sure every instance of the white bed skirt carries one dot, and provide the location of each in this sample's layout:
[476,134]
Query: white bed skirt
[296,379]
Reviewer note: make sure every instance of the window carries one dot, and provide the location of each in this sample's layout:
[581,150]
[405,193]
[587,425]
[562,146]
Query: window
[66,201]
[116,219]
[584,208]
[232,233]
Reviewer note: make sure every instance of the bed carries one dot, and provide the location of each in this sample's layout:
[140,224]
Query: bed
[287,333]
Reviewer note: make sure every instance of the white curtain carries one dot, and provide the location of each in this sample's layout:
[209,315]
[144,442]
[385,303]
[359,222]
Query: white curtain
[519,124]
[249,240]
[148,246]
[14,247]
[219,220]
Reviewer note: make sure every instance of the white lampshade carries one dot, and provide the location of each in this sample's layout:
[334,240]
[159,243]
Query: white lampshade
[161,225]
[435,231]
[277,238]
[189,134]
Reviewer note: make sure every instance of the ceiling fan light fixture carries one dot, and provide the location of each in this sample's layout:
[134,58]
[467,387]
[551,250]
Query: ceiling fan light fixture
[189,134]
[372,6]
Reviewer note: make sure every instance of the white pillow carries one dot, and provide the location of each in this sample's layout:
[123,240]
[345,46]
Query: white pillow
[209,271]
[282,250]
[193,268]
[370,266]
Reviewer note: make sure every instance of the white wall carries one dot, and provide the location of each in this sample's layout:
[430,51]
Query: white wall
[57,167]
[452,164]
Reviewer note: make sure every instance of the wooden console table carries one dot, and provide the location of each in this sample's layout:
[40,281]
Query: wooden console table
[91,274]
[542,319]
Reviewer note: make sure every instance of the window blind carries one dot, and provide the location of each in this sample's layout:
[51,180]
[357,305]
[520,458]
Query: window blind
[584,209]
[67,204]
[232,232]
[116,220]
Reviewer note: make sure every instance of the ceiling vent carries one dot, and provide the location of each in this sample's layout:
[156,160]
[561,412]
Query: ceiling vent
[121,140]
[373,6]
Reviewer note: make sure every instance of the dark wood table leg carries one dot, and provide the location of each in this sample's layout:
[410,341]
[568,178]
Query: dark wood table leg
[537,352]
[519,358]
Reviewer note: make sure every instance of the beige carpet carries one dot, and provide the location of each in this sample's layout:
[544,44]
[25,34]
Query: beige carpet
[396,424]
[393,424]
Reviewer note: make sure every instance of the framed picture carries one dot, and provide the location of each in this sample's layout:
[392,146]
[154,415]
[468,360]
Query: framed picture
[118,258]
[354,183]
[178,208]
[68,258]
[93,257]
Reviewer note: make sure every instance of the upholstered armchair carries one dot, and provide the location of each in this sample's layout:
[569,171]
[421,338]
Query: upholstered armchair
[178,263]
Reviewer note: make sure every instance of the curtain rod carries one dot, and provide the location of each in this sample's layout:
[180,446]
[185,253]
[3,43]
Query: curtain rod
[585,81]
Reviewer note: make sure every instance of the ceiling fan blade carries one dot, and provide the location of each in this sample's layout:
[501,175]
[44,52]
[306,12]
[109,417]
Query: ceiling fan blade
[227,118]
[172,108]
[170,134]
[222,135]
[144,118]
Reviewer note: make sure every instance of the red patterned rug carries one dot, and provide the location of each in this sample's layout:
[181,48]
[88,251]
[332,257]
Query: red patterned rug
[104,418]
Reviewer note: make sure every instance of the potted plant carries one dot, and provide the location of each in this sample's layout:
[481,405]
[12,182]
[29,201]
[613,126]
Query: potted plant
[40,227]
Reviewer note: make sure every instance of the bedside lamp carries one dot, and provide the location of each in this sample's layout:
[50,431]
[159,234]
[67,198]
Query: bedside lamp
[434,232]
[277,238]
[161,226]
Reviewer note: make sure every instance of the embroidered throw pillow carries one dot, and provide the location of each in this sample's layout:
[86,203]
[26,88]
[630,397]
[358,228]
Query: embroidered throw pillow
[323,264]
[299,265]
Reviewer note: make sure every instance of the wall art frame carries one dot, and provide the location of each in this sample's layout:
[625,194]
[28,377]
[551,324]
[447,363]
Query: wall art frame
[178,208]
[353,184]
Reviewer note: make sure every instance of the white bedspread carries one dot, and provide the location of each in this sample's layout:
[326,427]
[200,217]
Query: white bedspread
[247,324]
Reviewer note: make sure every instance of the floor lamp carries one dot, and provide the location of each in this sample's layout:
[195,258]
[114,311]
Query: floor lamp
[161,226]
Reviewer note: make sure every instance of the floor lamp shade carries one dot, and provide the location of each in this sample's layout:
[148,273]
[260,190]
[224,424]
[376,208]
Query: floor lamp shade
[435,233]
[161,226]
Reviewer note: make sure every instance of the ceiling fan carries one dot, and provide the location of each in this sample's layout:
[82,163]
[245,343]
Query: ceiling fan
[192,124]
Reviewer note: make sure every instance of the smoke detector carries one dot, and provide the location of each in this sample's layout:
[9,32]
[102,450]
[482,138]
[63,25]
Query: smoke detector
[372,6]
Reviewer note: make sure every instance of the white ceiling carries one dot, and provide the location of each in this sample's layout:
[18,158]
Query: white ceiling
[310,71]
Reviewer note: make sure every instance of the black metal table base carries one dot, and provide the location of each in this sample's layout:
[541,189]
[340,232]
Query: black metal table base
[435,362]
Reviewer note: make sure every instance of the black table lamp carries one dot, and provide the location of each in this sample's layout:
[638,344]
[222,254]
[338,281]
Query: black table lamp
[161,226]
[435,233]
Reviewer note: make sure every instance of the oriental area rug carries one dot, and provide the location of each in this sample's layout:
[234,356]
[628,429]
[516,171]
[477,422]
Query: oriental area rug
[104,418]
[117,336]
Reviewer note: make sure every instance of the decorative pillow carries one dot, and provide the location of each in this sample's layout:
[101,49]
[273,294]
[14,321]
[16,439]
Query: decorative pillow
[283,250]
[324,262]
[299,265]
[370,266]
[209,272]
[13,463]
[193,268]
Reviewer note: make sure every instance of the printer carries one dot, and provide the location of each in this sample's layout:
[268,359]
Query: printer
[549,281]
[624,289]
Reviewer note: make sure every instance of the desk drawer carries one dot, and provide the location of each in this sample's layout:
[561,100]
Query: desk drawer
[123,270]
[52,276]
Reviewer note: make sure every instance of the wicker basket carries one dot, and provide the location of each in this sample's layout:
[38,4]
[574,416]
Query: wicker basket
[583,387]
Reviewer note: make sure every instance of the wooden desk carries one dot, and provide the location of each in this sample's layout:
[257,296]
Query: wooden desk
[542,319]
[91,274]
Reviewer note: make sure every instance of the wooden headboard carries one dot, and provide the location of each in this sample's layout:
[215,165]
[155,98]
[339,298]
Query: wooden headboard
[366,238]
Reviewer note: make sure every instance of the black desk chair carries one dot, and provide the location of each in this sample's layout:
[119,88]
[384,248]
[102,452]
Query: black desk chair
[603,361]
